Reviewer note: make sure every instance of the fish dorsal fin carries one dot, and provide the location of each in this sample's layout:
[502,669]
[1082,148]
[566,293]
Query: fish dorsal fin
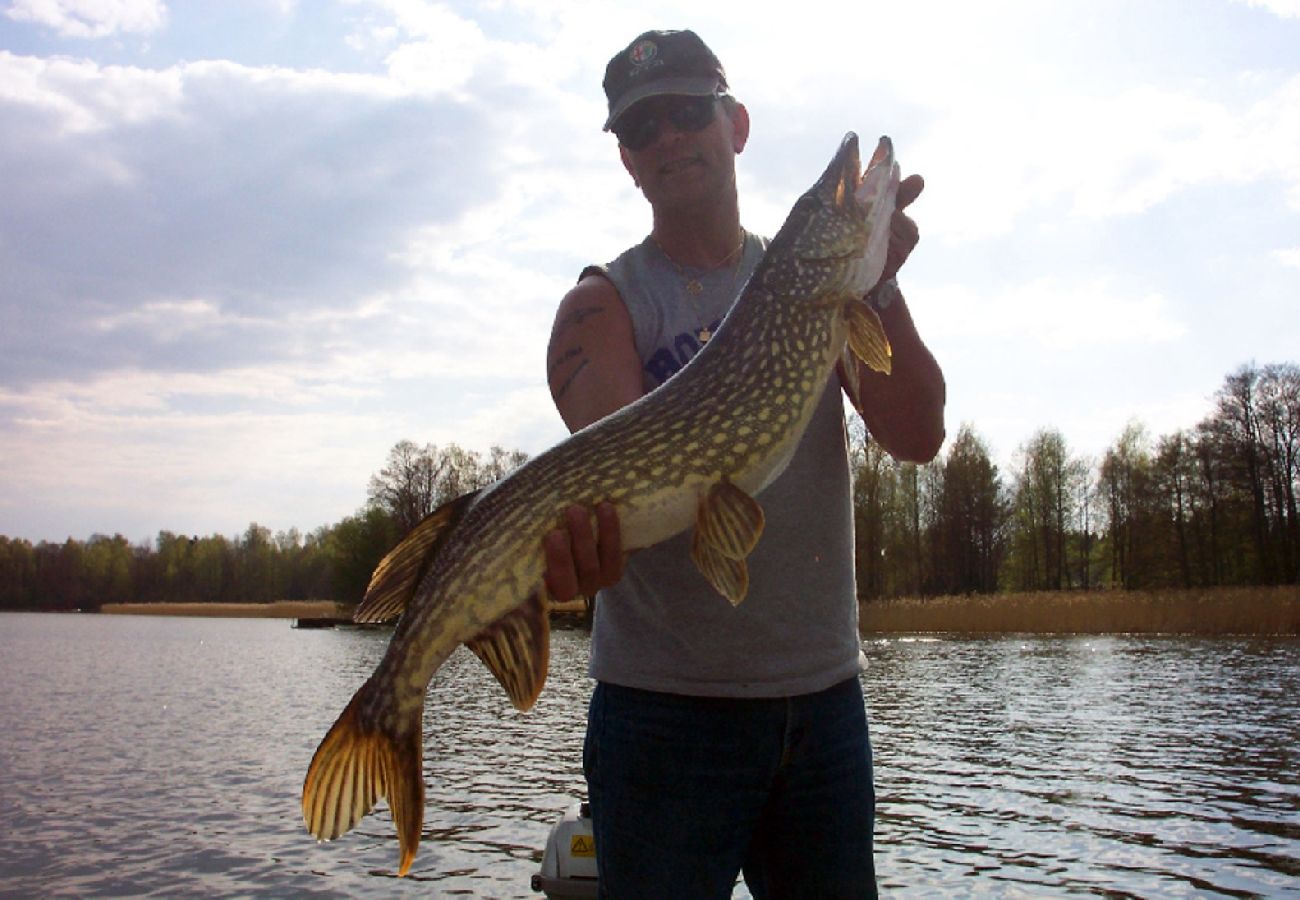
[867,336]
[398,574]
[516,648]
[728,524]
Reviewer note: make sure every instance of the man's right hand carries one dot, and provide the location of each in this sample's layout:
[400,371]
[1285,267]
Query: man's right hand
[580,560]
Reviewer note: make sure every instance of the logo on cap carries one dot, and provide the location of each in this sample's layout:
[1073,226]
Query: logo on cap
[643,52]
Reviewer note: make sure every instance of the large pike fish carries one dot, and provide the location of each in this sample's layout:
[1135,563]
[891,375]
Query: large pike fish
[692,453]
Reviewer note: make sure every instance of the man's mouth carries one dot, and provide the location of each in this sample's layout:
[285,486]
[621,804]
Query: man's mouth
[678,165]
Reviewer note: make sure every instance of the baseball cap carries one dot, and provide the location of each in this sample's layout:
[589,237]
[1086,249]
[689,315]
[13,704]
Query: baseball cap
[661,62]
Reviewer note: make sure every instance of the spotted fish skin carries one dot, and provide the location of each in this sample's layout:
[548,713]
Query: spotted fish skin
[692,453]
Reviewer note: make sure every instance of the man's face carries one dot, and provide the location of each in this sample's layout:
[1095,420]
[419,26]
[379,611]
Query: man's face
[685,147]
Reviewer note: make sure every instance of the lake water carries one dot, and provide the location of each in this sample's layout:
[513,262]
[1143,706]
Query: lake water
[145,755]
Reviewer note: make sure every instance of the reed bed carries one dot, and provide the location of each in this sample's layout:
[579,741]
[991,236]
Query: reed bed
[1211,611]
[280,609]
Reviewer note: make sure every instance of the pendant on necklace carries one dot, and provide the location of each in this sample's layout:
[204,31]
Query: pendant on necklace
[704,334]
[693,287]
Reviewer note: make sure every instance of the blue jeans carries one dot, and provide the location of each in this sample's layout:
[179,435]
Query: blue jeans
[686,792]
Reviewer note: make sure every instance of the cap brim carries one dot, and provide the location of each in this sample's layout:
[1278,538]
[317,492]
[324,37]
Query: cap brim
[687,87]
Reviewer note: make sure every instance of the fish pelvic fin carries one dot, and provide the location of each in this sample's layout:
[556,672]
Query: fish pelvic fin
[728,524]
[867,337]
[516,649]
[395,579]
[356,764]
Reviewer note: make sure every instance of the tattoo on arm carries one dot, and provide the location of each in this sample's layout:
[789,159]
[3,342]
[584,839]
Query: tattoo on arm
[564,357]
[558,359]
[577,317]
[564,388]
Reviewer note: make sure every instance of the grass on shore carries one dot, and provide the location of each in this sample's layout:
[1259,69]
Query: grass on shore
[1245,610]
[282,609]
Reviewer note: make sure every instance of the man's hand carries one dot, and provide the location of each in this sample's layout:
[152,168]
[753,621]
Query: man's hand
[903,233]
[579,561]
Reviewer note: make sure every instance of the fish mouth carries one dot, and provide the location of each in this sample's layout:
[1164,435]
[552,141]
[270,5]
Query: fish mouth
[846,182]
[845,172]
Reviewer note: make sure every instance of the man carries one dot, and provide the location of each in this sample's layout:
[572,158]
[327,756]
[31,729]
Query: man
[721,739]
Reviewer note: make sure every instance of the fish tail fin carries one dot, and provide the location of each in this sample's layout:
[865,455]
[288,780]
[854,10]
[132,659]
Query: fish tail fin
[357,763]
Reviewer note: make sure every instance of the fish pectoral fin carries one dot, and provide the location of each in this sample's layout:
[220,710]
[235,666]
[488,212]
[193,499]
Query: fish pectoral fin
[867,336]
[398,574]
[516,649]
[355,765]
[728,525]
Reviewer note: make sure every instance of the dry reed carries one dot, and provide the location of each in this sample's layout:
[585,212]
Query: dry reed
[1244,610]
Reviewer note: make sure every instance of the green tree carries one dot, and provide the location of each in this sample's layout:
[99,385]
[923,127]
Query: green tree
[17,573]
[1126,483]
[970,533]
[355,547]
[108,570]
[1045,495]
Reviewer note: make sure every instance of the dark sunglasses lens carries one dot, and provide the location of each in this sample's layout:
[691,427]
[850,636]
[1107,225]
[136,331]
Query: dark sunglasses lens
[639,130]
[692,115]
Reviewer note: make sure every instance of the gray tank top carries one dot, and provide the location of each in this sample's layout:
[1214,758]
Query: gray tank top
[662,627]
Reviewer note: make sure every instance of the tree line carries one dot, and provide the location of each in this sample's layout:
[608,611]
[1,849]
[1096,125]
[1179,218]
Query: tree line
[1207,506]
[333,562]
[1212,505]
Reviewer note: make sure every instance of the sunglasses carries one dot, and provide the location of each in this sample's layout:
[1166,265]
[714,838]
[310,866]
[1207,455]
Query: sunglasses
[638,129]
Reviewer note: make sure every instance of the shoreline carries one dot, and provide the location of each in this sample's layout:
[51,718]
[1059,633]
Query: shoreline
[1207,611]
[279,609]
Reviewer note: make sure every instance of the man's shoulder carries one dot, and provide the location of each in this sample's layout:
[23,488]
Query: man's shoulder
[609,269]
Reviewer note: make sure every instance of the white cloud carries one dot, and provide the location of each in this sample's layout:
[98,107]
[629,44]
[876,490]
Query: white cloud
[1097,156]
[82,97]
[1287,9]
[91,18]
[1289,257]
[1052,314]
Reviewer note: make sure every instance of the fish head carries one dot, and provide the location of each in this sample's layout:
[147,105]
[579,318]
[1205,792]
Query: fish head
[840,226]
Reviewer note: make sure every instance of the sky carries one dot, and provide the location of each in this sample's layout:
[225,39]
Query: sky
[246,247]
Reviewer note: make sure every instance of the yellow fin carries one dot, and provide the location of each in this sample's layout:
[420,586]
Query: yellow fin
[867,336]
[729,577]
[730,520]
[728,525]
[395,579]
[355,765]
[516,648]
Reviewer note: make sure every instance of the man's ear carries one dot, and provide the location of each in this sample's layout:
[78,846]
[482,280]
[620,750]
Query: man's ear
[740,127]
[627,164]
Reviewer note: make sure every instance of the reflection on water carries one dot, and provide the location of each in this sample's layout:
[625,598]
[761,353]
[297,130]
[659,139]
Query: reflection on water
[152,755]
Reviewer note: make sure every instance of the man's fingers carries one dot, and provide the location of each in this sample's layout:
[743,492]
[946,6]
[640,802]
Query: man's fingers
[609,544]
[586,559]
[908,190]
[580,560]
[561,578]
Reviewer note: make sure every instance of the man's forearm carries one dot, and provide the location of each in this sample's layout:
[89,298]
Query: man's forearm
[904,410]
